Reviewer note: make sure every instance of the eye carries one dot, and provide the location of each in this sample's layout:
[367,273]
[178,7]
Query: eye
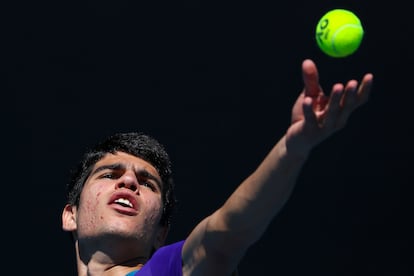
[147,184]
[109,175]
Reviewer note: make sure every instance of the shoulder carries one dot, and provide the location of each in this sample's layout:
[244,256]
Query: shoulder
[169,251]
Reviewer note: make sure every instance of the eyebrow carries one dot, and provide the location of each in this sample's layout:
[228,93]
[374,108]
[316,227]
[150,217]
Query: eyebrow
[120,166]
[115,166]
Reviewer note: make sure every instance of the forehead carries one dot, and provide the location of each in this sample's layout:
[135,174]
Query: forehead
[128,160]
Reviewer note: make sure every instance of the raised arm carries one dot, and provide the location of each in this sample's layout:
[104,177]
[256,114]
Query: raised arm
[218,243]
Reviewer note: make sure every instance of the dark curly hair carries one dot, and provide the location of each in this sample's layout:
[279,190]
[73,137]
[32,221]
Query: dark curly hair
[135,143]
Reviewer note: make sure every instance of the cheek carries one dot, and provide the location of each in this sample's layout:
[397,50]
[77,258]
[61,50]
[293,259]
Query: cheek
[154,210]
[91,198]
[89,205]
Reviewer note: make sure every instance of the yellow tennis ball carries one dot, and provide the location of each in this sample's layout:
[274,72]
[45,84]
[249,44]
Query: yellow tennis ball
[339,33]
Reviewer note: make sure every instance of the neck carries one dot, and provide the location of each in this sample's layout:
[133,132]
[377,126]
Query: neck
[108,262]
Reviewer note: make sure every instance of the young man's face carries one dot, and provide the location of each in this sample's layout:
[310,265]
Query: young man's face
[121,198]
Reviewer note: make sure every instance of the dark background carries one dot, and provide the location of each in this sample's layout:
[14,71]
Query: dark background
[214,82]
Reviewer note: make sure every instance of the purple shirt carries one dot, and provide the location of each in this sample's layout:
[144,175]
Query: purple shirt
[165,261]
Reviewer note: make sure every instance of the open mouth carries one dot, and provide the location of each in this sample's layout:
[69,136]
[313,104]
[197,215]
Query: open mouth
[124,202]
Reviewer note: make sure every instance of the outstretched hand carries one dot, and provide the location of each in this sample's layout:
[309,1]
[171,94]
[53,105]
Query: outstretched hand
[315,115]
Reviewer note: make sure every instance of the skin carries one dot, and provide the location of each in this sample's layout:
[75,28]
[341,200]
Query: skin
[112,243]
[108,233]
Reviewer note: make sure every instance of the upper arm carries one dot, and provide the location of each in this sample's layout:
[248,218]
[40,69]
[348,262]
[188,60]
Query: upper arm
[212,249]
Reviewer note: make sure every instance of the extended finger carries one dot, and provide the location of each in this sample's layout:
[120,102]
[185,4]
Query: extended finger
[350,98]
[364,90]
[311,120]
[349,102]
[310,78]
[334,108]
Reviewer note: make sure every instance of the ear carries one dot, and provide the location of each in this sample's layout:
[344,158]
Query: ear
[161,236]
[69,218]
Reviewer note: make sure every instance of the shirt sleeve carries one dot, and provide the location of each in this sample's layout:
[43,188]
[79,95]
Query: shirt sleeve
[165,261]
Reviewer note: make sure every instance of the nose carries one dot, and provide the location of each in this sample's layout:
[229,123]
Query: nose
[128,181]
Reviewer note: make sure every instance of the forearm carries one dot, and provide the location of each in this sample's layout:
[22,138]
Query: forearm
[263,194]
